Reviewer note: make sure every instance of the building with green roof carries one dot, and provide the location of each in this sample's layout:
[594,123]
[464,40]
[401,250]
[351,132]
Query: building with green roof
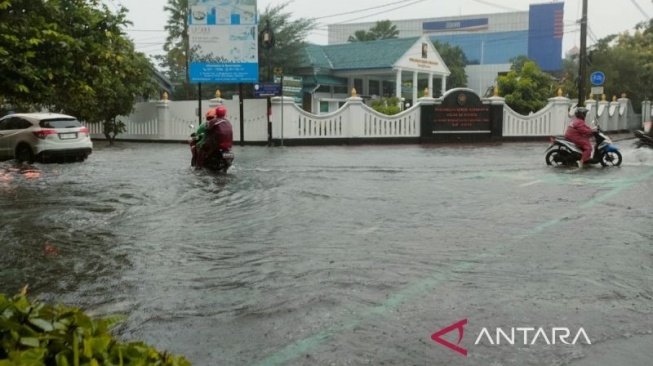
[383,68]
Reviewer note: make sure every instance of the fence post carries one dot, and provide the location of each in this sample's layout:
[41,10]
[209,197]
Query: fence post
[163,122]
[356,117]
[623,105]
[559,115]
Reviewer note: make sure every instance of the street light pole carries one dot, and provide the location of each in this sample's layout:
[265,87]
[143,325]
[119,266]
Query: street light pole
[582,77]
[266,41]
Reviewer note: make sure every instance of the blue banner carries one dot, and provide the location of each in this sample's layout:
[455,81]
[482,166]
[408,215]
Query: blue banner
[463,25]
[223,37]
[224,72]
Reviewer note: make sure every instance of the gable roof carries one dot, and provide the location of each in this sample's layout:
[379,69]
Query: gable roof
[379,54]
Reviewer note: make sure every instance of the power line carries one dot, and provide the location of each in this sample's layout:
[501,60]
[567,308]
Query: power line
[381,12]
[640,9]
[496,5]
[363,10]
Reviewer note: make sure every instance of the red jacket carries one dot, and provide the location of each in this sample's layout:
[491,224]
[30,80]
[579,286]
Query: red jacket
[578,130]
[220,133]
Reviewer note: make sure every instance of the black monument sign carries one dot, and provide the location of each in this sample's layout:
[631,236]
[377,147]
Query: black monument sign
[461,114]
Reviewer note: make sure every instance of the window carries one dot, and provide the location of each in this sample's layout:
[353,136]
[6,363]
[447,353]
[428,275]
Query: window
[324,107]
[358,84]
[323,89]
[374,87]
[60,123]
[340,89]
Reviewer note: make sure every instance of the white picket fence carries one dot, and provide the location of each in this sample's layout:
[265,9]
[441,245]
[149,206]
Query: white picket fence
[169,121]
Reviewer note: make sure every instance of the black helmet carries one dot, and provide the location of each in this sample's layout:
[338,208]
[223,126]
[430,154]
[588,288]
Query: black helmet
[581,112]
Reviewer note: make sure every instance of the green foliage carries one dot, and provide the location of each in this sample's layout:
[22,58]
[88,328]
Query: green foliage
[456,60]
[70,56]
[383,29]
[526,88]
[289,38]
[388,106]
[36,334]
[111,128]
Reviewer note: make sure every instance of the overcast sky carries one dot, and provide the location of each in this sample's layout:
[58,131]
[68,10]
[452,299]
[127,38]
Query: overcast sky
[605,16]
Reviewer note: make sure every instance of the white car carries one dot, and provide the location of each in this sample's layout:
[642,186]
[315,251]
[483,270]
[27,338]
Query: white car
[28,137]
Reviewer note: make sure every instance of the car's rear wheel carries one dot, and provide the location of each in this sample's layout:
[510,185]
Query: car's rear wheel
[24,154]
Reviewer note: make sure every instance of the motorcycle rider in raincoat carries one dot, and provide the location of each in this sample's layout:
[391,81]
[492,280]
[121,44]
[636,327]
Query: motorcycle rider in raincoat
[200,137]
[219,135]
[579,133]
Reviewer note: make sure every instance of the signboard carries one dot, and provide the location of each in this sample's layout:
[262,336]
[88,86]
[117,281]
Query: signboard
[597,90]
[223,41]
[463,25]
[267,90]
[597,78]
[292,87]
[462,111]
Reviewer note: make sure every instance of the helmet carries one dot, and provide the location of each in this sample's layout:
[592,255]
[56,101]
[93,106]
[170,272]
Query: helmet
[210,114]
[581,112]
[221,111]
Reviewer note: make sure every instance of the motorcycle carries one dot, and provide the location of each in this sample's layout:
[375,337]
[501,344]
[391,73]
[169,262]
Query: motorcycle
[643,139]
[217,161]
[563,152]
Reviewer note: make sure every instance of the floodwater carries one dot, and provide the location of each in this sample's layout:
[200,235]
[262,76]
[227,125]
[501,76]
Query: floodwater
[343,255]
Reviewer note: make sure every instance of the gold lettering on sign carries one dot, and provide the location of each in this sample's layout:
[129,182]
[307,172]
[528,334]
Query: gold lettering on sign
[423,62]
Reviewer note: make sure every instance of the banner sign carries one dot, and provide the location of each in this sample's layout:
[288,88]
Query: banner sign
[223,37]
[464,25]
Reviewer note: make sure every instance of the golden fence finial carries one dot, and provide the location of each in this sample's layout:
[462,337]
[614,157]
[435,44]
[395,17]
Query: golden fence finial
[496,91]
[591,96]
[353,92]
[559,92]
[218,95]
[426,92]
[614,98]
[623,95]
[603,97]
[165,95]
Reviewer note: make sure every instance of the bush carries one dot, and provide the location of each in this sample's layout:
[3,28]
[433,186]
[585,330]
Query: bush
[388,106]
[36,334]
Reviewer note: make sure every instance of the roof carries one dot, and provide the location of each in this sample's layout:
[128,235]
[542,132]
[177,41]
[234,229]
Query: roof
[379,54]
[324,80]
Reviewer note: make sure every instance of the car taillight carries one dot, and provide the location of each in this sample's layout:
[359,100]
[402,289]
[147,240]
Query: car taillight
[84,130]
[42,134]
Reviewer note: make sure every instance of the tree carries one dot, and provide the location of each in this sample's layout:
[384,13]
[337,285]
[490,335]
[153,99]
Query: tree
[30,37]
[361,36]
[383,29]
[108,74]
[456,60]
[289,35]
[70,56]
[526,87]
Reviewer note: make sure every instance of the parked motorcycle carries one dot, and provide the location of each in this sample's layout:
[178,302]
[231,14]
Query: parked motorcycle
[217,161]
[563,152]
[643,139]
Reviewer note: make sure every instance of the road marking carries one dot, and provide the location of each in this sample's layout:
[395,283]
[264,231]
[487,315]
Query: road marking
[302,346]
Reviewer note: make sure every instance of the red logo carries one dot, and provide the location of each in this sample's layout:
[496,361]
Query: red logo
[437,336]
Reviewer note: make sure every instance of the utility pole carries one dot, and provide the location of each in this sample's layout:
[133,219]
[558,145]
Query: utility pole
[582,72]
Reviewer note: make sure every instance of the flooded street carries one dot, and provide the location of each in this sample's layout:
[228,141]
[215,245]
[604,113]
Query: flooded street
[343,255]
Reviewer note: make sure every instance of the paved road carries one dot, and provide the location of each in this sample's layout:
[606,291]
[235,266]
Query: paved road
[344,255]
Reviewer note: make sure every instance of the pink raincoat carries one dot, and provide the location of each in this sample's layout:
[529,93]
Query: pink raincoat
[579,133]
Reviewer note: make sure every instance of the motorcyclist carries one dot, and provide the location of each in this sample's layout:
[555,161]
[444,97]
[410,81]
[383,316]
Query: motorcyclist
[219,135]
[579,133]
[200,137]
